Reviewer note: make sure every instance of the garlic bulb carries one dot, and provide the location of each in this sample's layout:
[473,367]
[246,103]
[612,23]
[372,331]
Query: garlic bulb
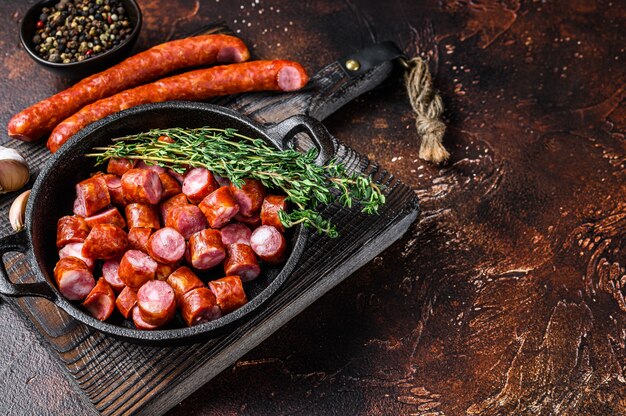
[14,171]
[17,211]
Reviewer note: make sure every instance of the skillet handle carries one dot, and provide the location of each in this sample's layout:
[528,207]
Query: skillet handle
[18,242]
[288,128]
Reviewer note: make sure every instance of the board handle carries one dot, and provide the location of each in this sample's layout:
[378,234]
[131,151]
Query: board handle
[18,242]
[286,130]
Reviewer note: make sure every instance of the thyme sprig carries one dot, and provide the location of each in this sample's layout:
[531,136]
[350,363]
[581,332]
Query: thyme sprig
[235,156]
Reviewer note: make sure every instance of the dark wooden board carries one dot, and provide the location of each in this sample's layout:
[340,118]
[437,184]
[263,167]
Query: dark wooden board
[121,378]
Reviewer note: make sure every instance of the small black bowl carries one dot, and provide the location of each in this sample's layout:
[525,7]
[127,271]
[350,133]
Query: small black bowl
[87,66]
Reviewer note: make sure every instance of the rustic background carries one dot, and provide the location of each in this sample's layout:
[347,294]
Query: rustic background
[506,296]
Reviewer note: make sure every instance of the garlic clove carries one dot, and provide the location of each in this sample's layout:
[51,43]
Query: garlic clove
[14,172]
[18,210]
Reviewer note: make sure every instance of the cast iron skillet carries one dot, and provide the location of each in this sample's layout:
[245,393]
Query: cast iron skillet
[53,194]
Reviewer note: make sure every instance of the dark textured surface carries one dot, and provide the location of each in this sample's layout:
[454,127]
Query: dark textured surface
[506,297]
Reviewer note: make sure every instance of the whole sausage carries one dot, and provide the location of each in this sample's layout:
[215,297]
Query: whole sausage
[229,293]
[76,250]
[272,204]
[186,219]
[157,302]
[269,244]
[73,278]
[198,183]
[119,167]
[199,306]
[219,207]
[142,216]
[126,301]
[100,302]
[110,273]
[92,195]
[241,261]
[39,119]
[206,249]
[138,238]
[136,268]
[142,185]
[105,241]
[139,321]
[170,185]
[236,234]
[166,245]
[195,85]
[107,216]
[71,229]
[182,280]
[166,206]
[249,196]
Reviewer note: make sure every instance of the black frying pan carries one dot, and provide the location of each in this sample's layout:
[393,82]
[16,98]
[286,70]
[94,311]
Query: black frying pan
[53,194]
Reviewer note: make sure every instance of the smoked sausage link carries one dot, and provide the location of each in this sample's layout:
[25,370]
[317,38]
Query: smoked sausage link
[73,278]
[126,301]
[229,293]
[39,119]
[157,302]
[199,306]
[105,241]
[241,261]
[71,229]
[182,280]
[100,302]
[195,85]
[206,249]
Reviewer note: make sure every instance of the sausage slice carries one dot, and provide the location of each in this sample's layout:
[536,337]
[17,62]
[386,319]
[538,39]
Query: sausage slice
[272,204]
[166,245]
[142,185]
[229,293]
[206,249]
[236,234]
[92,195]
[241,261]
[73,278]
[157,302]
[110,273]
[186,219]
[142,215]
[100,302]
[219,207]
[71,229]
[136,268]
[107,216]
[198,183]
[183,280]
[199,306]
[269,244]
[249,196]
[105,241]
[126,301]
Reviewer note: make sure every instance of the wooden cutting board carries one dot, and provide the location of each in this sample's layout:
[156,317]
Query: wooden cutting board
[121,378]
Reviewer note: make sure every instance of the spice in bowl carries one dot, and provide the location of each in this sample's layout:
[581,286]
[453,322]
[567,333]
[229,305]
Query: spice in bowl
[75,30]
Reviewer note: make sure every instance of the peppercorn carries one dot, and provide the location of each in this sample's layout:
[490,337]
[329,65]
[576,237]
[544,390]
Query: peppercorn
[75,30]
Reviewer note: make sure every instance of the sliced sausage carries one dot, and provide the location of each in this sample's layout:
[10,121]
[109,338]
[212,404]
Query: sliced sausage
[182,280]
[142,185]
[139,321]
[76,250]
[241,261]
[269,244]
[179,178]
[110,269]
[199,306]
[73,278]
[229,293]
[170,185]
[198,183]
[79,208]
[166,139]
[219,207]
[252,222]
[249,196]
[136,268]
[166,206]
[92,195]
[142,216]
[163,270]
[272,204]
[206,249]
[186,219]
[236,234]
[143,165]
[126,301]
[100,302]
[166,245]
[193,85]
[39,119]
[71,229]
[107,216]
[120,166]
[105,241]
[138,238]
[157,302]
[114,185]
[221,180]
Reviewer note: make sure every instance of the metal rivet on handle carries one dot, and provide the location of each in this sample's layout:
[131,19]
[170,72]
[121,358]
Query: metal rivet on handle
[353,65]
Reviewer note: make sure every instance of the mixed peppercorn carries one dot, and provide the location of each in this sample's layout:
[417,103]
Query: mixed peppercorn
[74,30]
